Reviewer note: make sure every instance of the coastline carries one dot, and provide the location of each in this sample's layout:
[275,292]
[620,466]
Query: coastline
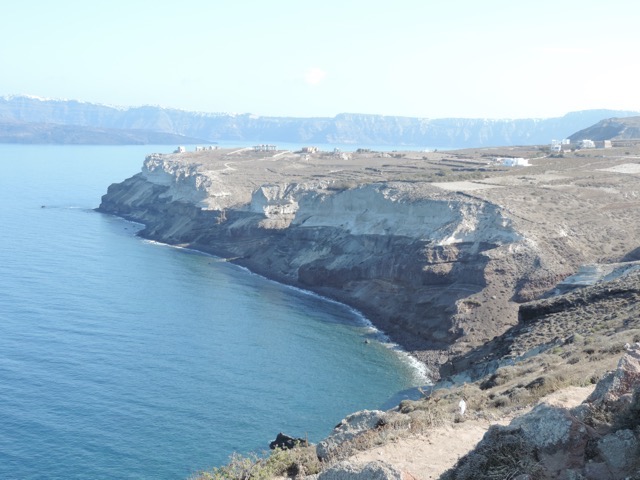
[441,267]
[421,369]
[409,257]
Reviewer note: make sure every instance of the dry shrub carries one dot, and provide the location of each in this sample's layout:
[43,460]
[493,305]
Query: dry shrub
[501,401]
[473,395]
[426,419]
[573,359]
[500,377]
[297,461]
[520,397]
[500,455]
[549,383]
[613,349]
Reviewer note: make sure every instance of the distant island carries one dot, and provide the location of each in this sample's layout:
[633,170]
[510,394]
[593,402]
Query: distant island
[25,119]
[51,133]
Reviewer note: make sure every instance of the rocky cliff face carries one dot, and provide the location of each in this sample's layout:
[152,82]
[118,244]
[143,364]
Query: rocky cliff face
[404,261]
[440,267]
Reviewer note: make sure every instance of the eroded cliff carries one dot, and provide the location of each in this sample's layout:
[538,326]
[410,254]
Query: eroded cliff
[438,266]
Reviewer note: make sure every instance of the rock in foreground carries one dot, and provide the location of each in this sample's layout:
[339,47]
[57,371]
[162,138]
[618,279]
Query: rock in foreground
[598,440]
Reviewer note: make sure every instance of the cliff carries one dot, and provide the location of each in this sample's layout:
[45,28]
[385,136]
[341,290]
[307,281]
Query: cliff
[610,129]
[345,128]
[439,266]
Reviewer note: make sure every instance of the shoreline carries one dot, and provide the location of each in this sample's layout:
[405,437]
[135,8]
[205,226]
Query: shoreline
[421,369]
[439,271]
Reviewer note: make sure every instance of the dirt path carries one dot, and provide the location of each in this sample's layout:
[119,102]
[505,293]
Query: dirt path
[429,456]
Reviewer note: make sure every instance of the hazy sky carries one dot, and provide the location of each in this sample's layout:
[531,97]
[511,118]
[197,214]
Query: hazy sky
[446,58]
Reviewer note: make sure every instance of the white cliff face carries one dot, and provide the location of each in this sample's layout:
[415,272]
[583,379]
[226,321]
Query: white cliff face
[275,201]
[184,182]
[384,210]
[374,209]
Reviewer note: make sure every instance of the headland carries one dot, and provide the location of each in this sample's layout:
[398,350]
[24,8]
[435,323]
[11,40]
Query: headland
[438,249]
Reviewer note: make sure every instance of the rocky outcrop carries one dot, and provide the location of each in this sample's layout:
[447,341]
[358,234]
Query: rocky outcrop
[286,442]
[348,429]
[598,440]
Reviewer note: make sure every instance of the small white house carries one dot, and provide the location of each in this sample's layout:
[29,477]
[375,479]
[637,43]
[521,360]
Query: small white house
[586,143]
[514,162]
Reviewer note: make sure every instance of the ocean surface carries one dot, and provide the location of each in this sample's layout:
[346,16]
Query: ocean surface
[125,359]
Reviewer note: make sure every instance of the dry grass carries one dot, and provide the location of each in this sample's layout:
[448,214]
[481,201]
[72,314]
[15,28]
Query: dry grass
[507,456]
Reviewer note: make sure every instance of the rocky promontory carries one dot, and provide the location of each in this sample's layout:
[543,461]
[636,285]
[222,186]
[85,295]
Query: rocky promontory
[438,249]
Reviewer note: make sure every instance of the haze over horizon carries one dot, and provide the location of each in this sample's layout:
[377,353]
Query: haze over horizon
[497,59]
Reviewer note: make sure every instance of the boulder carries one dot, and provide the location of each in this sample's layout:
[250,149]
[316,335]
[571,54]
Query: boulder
[352,426]
[615,388]
[287,443]
[619,450]
[545,427]
[377,470]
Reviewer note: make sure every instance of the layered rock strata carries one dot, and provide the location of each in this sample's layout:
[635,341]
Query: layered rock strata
[438,267]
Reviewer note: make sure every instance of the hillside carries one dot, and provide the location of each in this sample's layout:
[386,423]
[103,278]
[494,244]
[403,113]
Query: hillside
[610,129]
[345,128]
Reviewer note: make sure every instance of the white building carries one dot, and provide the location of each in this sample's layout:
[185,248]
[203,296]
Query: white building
[586,143]
[264,148]
[513,162]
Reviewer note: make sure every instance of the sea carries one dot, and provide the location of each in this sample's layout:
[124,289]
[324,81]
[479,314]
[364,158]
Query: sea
[122,358]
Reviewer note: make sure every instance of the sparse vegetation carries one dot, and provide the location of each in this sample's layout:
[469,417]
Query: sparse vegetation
[297,461]
[505,457]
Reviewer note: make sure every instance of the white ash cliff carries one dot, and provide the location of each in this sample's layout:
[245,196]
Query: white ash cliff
[437,269]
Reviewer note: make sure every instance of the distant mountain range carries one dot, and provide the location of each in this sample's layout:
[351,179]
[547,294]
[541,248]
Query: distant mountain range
[94,123]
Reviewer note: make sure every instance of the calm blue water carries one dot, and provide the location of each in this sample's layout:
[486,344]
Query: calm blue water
[120,358]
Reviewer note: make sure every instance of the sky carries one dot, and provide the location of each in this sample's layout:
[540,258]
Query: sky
[419,58]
